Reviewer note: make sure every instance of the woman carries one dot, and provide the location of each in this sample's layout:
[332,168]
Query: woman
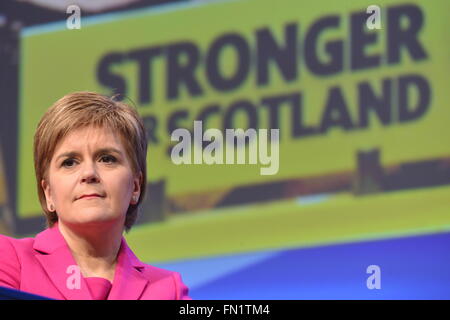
[90,163]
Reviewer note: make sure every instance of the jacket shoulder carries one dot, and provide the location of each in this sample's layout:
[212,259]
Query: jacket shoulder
[8,244]
[11,253]
[153,273]
[171,279]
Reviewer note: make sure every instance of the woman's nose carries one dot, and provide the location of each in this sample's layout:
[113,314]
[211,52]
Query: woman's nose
[89,174]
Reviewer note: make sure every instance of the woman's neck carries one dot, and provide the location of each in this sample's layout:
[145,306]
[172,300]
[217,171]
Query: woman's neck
[95,248]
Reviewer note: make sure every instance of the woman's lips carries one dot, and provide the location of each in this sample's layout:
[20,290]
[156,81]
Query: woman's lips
[90,196]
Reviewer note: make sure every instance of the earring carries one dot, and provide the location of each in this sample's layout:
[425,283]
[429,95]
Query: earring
[51,208]
[135,198]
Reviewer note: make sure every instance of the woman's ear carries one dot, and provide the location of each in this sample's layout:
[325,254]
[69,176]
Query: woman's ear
[46,187]
[137,182]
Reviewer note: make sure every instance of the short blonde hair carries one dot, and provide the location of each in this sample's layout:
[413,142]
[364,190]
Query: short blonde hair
[83,109]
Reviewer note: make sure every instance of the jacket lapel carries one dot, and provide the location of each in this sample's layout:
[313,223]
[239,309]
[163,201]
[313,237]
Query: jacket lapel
[56,259]
[129,283]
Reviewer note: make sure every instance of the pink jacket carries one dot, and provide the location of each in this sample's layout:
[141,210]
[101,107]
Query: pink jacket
[42,265]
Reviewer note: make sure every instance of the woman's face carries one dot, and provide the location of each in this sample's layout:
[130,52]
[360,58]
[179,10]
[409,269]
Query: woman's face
[90,178]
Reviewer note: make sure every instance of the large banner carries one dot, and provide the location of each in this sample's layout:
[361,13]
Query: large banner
[361,108]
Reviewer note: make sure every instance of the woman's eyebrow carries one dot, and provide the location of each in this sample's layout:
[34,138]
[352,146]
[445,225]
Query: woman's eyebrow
[71,154]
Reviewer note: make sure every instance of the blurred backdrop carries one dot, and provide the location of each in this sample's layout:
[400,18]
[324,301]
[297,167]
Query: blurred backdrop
[359,205]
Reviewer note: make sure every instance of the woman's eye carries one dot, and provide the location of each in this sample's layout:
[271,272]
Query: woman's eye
[68,163]
[108,159]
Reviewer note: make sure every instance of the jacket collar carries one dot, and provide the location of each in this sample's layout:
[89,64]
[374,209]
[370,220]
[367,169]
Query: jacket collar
[129,283]
[56,258]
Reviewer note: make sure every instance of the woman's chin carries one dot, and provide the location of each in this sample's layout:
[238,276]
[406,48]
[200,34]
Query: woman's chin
[95,218]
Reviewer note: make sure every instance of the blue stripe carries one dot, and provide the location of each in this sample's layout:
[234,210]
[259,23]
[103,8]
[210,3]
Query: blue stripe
[115,17]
